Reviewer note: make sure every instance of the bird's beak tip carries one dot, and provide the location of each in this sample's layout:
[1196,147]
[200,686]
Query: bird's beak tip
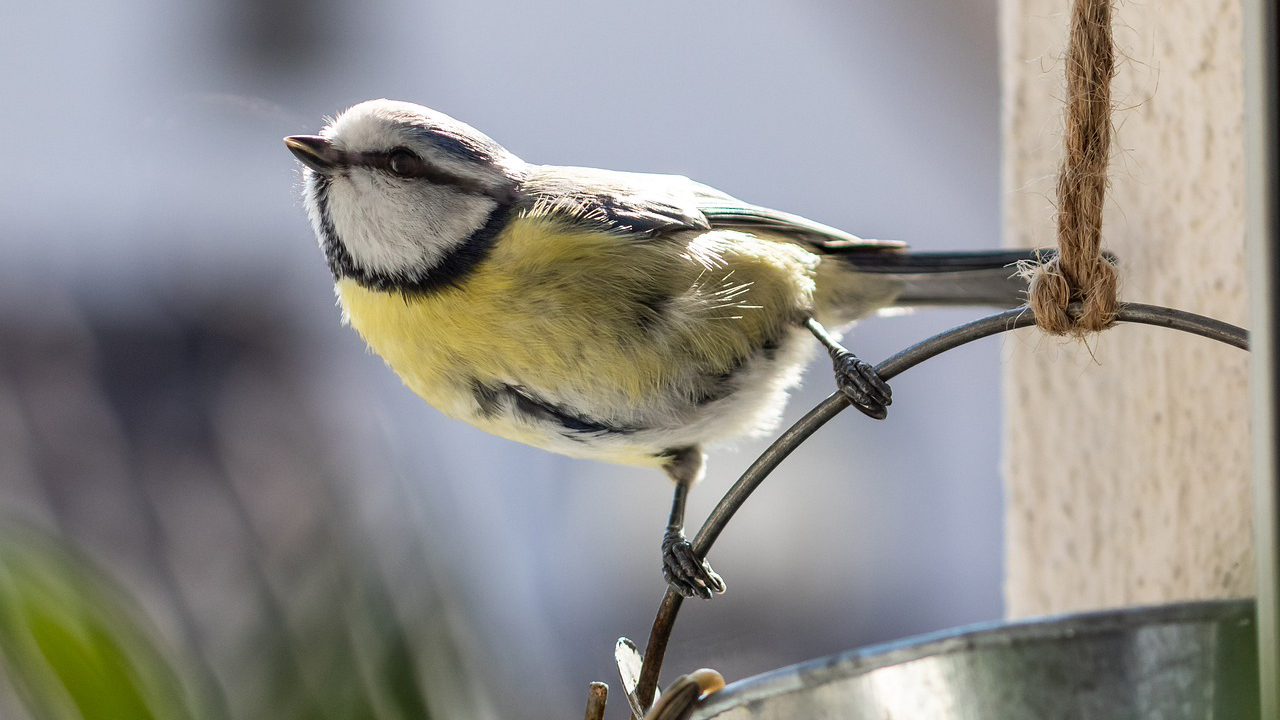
[313,151]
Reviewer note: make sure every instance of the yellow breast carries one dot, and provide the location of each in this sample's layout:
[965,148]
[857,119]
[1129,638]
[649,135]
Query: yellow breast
[593,318]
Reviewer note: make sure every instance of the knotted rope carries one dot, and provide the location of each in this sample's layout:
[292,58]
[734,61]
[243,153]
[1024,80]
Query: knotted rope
[1080,272]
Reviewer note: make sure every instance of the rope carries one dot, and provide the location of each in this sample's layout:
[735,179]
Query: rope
[1080,273]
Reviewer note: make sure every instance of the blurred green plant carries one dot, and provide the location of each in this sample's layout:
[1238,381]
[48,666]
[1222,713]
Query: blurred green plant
[74,644]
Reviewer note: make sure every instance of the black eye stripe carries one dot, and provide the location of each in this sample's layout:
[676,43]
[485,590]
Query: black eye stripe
[424,170]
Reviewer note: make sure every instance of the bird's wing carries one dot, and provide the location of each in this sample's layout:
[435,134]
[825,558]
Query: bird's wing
[644,205]
[633,205]
[726,211]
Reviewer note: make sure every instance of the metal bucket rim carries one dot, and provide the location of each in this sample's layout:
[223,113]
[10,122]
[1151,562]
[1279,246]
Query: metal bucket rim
[992,634]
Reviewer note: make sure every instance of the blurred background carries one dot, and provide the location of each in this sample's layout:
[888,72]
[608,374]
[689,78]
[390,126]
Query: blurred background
[212,494]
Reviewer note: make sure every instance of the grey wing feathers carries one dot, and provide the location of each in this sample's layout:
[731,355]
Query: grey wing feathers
[646,205]
[726,211]
[636,204]
[822,237]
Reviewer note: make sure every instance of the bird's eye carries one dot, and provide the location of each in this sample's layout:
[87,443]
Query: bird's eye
[403,163]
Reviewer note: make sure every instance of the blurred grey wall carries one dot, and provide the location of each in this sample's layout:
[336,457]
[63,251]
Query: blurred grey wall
[144,173]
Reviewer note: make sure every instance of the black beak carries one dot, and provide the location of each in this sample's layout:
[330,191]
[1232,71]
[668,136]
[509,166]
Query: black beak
[314,151]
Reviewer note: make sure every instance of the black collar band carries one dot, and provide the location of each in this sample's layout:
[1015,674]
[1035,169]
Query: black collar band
[450,271]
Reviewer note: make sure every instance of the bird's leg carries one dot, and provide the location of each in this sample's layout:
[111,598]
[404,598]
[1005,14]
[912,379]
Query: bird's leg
[683,570]
[855,378]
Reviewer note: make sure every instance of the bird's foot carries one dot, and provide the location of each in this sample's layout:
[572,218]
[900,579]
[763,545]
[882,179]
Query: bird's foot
[687,574]
[860,382]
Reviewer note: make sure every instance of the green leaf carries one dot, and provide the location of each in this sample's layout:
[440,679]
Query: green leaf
[73,643]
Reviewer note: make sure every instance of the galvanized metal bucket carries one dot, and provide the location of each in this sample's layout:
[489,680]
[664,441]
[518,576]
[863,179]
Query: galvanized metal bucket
[1188,661]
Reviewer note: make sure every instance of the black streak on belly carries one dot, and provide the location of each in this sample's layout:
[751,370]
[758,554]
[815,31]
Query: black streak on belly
[493,400]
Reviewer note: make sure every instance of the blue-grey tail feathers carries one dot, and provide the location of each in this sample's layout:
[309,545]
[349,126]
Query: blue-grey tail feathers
[911,263]
[989,278]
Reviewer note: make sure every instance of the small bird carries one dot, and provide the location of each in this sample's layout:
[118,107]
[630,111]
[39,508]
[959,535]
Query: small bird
[627,317]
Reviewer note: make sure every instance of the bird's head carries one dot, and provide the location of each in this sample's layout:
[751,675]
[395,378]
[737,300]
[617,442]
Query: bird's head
[403,197]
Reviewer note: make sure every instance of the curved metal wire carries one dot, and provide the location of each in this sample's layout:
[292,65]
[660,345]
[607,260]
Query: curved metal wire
[817,417]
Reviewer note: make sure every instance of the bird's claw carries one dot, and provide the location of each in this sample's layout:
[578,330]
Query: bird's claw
[684,571]
[860,382]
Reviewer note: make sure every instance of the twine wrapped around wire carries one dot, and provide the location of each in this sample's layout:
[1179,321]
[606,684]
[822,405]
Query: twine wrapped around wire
[1080,273]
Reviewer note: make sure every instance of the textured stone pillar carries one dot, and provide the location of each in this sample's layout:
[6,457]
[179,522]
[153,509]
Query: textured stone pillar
[1127,459]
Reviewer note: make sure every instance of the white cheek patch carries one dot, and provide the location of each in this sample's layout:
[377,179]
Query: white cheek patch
[402,229]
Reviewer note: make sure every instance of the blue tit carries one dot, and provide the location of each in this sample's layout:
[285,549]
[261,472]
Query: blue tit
[628,317]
